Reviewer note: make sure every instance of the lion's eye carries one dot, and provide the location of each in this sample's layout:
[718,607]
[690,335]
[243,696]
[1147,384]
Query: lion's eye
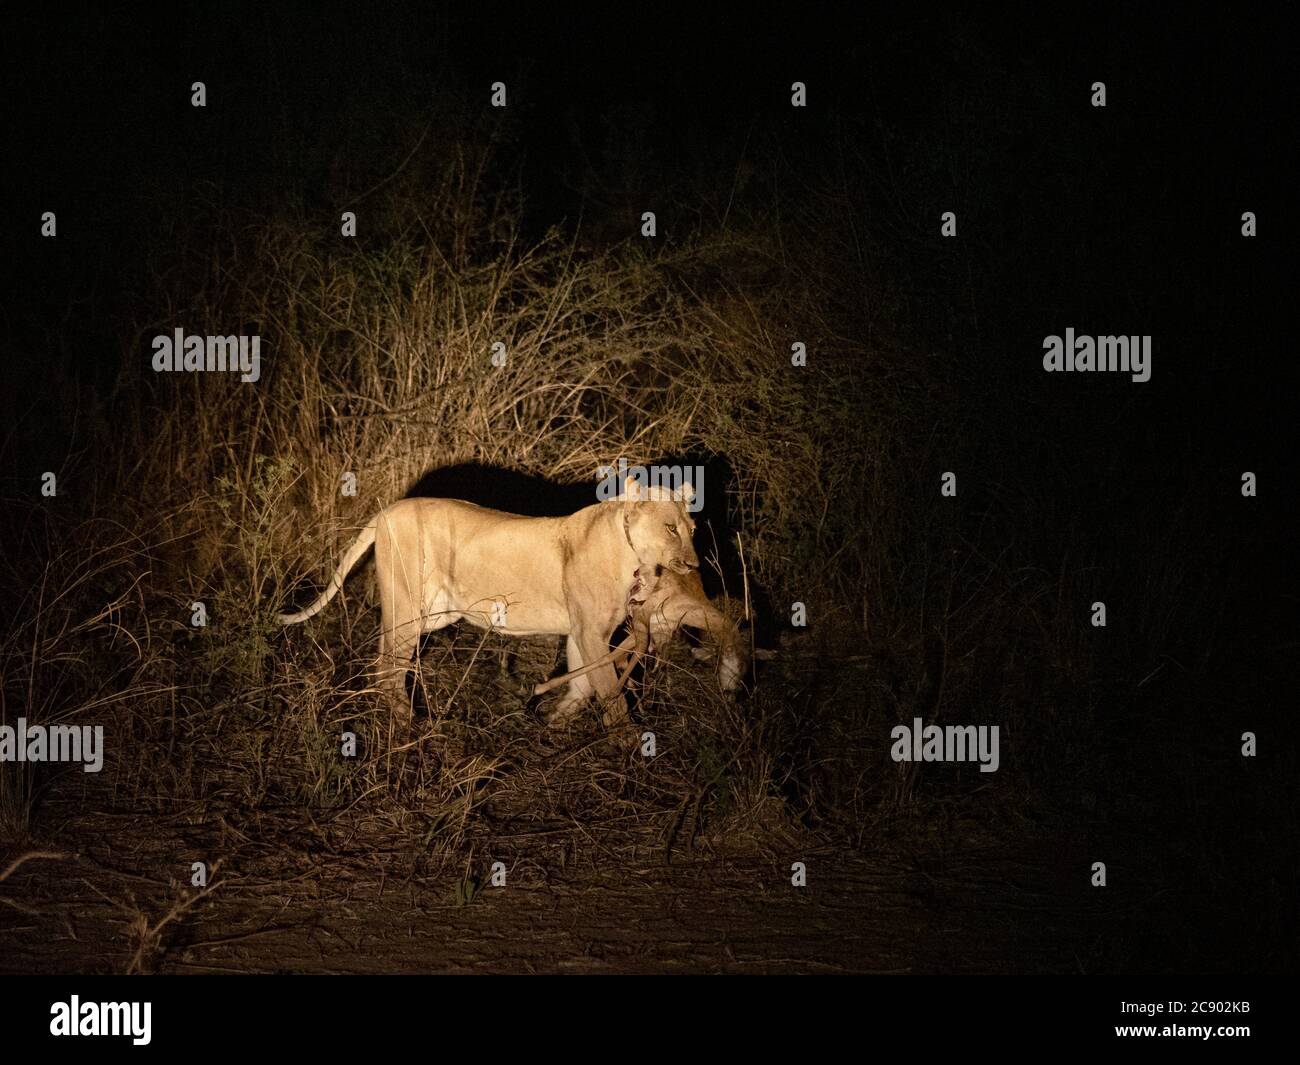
[672,529]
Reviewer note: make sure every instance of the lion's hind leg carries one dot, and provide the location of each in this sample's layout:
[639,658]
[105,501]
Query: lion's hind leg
[397,648]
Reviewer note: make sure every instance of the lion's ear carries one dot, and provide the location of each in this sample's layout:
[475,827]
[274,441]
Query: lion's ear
[632,490]
[686,493]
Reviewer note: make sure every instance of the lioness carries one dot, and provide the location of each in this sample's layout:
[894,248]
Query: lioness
[441,560]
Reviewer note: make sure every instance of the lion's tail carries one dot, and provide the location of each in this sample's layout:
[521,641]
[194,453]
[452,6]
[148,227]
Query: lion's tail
[365,539]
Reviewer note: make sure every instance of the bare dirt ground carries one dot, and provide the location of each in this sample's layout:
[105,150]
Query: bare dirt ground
[308,899]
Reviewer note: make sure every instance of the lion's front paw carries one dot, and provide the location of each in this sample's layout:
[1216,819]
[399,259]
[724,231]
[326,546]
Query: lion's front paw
[563,712]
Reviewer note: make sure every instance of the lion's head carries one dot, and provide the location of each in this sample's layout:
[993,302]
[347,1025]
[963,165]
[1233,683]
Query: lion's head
[658,527]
